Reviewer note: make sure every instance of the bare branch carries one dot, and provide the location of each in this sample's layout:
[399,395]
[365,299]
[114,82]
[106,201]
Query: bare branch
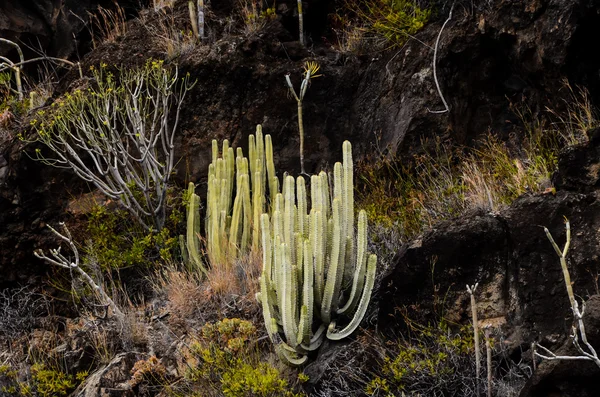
[437,83]
[62,261]
[578,327]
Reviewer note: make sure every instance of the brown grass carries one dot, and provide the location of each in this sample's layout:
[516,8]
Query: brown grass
[236,277]
[159,4]
[172,33]
[481,192]
[579,117]
[107,25]
[227,291]
[184,292]
[255,15]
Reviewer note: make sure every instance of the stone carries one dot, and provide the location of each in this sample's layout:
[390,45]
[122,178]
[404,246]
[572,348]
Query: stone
[112,379]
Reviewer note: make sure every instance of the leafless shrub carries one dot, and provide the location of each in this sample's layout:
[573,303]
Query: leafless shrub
[20,307]
[585,350]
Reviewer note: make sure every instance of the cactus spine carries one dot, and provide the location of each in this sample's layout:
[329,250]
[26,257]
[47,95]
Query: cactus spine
[311,263]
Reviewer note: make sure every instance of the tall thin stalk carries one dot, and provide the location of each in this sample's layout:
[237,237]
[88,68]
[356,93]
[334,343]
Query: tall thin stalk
[310,70]
[471,291]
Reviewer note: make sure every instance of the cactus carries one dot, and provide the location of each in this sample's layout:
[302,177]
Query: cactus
[300,23]
[313,269]
[232,223]
[197,18]
[190,248]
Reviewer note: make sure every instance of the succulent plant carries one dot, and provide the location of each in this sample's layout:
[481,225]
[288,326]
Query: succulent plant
[314,267]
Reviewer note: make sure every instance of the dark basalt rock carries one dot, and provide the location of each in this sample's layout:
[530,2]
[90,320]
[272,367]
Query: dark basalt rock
[518,271]
[50,26]
[579,166]
[569,378]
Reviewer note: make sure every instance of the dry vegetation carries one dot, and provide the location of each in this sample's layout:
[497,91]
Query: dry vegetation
[447,181]
[107,24]
[171,32]
[214,321]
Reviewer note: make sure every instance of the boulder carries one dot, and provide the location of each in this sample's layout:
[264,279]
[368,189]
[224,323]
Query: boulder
[112,379]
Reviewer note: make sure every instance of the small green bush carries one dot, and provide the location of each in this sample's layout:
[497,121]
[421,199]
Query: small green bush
[9,100]
[50,382]
[116,241]
[247,380]
[395,21]
[436,360]
[230,364]
[45,381]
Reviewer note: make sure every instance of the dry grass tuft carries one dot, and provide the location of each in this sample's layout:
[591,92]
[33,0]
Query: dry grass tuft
[480,193]
[159,4]
[172,34]
[579,117]
[183,290]
[444,181]
[237,276]
[107,25]
[255,15]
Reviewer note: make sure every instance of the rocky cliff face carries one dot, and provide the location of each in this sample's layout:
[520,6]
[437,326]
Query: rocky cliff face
[521,281]
[53,27]
[488,57]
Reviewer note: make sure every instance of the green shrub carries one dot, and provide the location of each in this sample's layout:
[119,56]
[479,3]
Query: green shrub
[51,382]
[247,380]
[435,360]
[45,381]
[9,101]
[395,21]
[229,363]
[116,241]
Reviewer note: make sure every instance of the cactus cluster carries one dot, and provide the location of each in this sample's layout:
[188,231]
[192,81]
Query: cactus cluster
[314,267]
[236,198]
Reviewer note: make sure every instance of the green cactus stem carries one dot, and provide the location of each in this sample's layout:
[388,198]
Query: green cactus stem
[236,198]
[311,261]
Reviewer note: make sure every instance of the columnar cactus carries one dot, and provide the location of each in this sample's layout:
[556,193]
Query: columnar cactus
[191,246]
[314,269]
[232,222]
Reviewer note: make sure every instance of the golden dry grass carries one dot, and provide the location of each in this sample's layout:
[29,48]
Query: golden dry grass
[107,25]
